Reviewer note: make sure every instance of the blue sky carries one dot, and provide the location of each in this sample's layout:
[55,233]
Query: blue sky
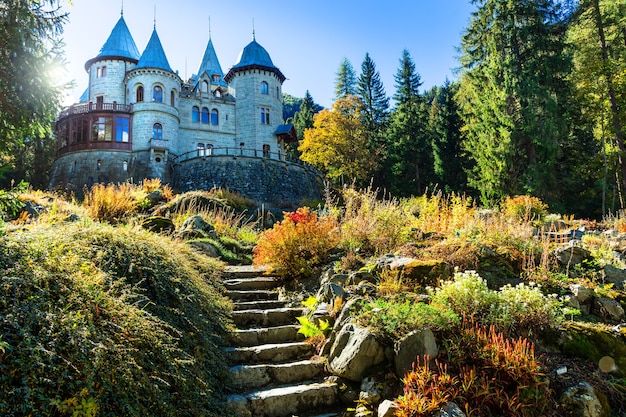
[306,39]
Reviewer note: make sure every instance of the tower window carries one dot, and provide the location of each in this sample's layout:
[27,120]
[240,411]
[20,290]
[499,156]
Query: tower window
[121,129]
[195,114]
[157,131]
[173,98]
[157,94]
[264,88]
[265,116]
[201,149]
[205,115]
[215,117]
[140,94]
[103,72]
[209,149]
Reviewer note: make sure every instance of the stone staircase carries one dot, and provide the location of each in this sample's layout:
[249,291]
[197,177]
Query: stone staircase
[271,365]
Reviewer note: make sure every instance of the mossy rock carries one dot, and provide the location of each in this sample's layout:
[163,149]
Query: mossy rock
[158,224]
[593,342]
[424,273]
[196,201]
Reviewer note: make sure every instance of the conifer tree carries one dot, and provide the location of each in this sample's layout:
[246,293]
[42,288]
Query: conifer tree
[370,89]
[345,82]
[303,118]
[513,69]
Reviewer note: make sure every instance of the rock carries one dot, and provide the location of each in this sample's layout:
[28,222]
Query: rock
[321,313]
[417,343]
[195,227]
[329,291]
[571,255]
[72,218]
[32,209]
[354,352]
[158,224]
[583,294]
[609,309]
[357,277]
[366,288]
[450,410]
[206,248]
[155,197]
[328,276]
[415,271]
[582,401]
[347,391]
[344,315]
[387,409]
[370,392]
[614,275]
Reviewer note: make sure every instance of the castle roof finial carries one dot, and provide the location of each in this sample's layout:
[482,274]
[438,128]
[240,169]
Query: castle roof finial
[122,13]
[253,31]
[209,27]
[155,16]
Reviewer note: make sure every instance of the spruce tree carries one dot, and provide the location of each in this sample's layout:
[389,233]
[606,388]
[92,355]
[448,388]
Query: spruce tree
[370,89]
[345,82]
[513,69]
[303,118]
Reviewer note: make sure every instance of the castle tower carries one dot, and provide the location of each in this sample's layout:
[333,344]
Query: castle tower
[153,89]
[257,85]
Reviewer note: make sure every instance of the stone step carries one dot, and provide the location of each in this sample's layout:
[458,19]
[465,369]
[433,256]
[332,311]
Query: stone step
[265,335]
[257,376]
[244,271]
[259,305]
[266,318]
[256,283]
[269,353]
[285,401]
[260,295]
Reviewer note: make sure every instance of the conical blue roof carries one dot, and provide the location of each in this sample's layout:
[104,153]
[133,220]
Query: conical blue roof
[154,56]
[120,43]
[210,63]
[254,54]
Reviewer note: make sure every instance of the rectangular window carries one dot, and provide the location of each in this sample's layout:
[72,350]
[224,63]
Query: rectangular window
[103,73]
[101,128]
[265,116]
[121,129]
[82,130]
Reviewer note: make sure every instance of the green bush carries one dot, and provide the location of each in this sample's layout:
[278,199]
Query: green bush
[114,319]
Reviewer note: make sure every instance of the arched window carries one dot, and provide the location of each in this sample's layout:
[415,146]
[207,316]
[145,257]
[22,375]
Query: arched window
[264,88]
[173,98]
[201,149]
[215,117]
[217,93]
[209,150]
[205,115]
[157,94]
[140,94]
[205,86]
[195,114]
[157,131]
[125,166]
[266,151]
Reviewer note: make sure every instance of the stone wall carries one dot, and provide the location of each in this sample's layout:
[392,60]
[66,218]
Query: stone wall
[279,184]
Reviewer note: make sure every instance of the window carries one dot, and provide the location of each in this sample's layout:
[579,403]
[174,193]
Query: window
[209,150]
[157,94]
[121,129]
[217,93]
[157,131]
[266,151]
[265,116]
[80,131]
[215,119]
[125,166]
[278,93]
[201,149]
[205,86]
[205,115]
[139,94]
[195,114]
[98,165]
[264,88]
[216,78]
[103,72]
[74,167]
[99,102]
[173,98]
[101,128]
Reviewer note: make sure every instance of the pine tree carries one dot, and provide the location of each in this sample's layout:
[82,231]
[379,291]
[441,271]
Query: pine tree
[303,118]
[345,82]
[408,81]
[370,89]
[513,66]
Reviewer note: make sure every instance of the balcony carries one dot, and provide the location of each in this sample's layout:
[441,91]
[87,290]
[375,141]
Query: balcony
[85,108]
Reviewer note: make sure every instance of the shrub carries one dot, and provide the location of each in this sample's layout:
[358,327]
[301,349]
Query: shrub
[487,374]
[114,318]
[524,208]
[296,245]
[467,295]
[9,199]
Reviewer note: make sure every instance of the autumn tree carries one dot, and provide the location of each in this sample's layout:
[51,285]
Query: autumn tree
[338,143]
[511,86]
[345,82]
[29,95]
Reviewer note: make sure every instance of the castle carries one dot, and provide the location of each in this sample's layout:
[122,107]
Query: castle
[138,119]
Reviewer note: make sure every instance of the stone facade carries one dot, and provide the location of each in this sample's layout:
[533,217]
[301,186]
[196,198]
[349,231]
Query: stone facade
[138,119]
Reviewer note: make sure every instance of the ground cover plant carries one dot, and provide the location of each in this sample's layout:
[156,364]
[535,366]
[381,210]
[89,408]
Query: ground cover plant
[108,321]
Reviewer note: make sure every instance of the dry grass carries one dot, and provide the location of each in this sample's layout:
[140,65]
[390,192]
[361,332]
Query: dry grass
[111,203]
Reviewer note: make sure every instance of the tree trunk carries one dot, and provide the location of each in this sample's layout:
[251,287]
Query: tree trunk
[619,134]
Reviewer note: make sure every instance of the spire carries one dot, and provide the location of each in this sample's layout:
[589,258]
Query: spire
[210,64]
[120,42]
[154,55]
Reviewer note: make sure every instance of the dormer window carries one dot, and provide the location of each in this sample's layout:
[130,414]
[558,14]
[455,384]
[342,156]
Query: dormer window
[205,87]
[216,78]
[217,93]
[265,88]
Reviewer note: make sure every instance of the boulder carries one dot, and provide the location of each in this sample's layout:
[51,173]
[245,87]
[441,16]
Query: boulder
[583,294]
[415,271]
[354,353]
[417,343]
[357,277]
[582,401]
[609,309]
[206,248]
[387,409]
[450,410]
[329,291]
[158,224]
[195,227]
[570,255]
[614,275]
